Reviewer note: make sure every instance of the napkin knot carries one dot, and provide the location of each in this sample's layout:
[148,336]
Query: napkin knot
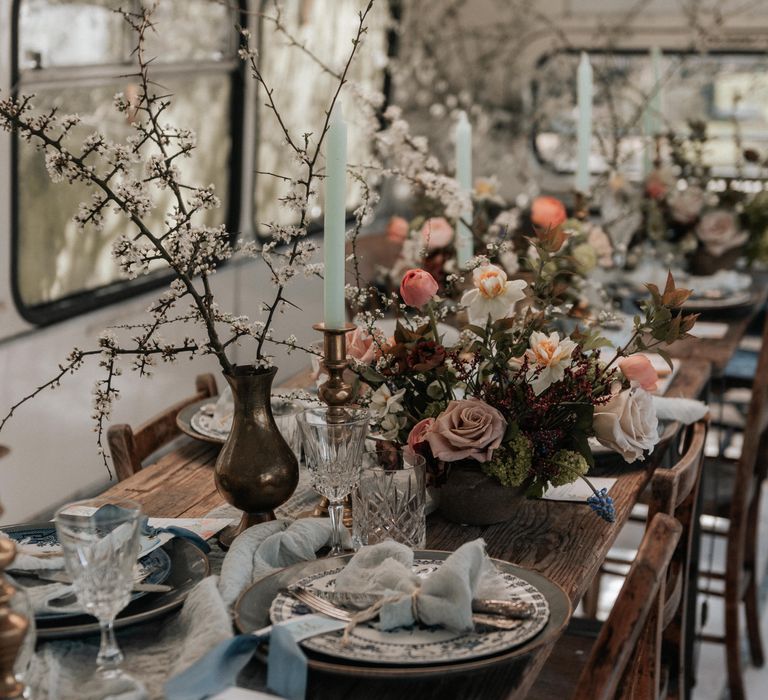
[373,611]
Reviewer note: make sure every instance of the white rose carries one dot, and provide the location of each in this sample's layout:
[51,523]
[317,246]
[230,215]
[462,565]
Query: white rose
[628,424]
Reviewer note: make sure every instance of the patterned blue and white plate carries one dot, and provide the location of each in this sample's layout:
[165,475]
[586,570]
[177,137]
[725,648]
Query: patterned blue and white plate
[418,644]
[43,537]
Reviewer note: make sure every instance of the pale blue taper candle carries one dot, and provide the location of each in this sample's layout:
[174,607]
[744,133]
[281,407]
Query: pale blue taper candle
[584,131]
[335,218]
[464,245]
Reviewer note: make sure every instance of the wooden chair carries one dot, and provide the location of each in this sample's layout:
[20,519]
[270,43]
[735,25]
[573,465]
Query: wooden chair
[739,502]
[129,448]
[615,664]
[674,492]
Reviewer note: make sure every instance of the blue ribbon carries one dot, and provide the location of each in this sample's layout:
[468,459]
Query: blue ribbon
[286,669]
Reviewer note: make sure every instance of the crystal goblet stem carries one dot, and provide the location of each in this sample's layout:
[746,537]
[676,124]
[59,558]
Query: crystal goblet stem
[336,514]
[109,657]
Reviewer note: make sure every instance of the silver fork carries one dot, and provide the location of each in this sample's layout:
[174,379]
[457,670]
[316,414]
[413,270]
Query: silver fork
[321,605]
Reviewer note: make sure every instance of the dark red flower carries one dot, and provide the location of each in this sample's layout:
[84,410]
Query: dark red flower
[426,355]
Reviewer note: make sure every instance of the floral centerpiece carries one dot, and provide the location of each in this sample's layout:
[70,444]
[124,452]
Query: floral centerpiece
[713,228]
[514,398]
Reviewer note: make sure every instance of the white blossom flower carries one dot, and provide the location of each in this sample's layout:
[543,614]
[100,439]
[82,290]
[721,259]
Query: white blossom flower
[494,295]
[548,356]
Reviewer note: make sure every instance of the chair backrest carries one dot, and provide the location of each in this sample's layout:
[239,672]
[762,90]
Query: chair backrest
[752,463]
[675,492]
[129,448]
[605,675]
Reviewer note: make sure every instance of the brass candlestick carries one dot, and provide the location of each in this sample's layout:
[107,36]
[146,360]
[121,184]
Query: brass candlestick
[581,205]
[13,626]
[336,392]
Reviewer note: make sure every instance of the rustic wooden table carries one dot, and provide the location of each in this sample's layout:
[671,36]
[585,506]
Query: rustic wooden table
[564,541]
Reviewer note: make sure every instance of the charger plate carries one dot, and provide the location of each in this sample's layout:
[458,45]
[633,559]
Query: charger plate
[420,652]
[188,417]
[189,566]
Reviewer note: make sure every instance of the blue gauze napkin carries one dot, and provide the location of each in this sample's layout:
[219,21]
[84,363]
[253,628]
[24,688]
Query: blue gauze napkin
[257,552]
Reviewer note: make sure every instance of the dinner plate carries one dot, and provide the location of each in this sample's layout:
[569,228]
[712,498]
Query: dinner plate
[189,566]
[729,301]
[155,566]
[188,421]
[414,652]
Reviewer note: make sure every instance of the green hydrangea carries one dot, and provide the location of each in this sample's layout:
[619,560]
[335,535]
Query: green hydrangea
[511,464]
[570,466]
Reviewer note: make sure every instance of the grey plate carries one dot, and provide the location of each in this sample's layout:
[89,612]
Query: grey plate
[252,613]
[157,560]
[184,421]
[188,567]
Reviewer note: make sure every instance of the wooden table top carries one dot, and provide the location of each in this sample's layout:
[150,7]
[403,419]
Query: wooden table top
[564,541]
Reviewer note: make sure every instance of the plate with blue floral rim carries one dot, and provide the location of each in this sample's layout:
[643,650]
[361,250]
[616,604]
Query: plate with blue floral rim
[155,567]
[409,652]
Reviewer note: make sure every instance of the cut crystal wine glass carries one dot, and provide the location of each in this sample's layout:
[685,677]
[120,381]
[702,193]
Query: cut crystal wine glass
[100,544]
[333,439]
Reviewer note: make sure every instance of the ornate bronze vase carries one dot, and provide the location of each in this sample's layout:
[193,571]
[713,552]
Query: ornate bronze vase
[256,470]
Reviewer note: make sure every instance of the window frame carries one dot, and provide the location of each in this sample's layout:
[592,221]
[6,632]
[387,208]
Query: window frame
[535,87]
[84,301]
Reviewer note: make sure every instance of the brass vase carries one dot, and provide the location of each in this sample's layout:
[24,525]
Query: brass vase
[256,470]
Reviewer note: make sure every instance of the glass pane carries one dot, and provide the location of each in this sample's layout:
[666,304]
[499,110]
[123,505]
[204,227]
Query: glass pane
[193,30]
[54,258]
[729,92]
[302,90]
[71,33]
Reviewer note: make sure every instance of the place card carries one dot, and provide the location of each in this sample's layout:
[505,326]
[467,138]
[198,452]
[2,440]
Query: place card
[578,491]
[243,694]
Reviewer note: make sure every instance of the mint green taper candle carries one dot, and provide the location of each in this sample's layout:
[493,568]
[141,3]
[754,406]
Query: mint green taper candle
[464,246]
[584,130]
[335,218]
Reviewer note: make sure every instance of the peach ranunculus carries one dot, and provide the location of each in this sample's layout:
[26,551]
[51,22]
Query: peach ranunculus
[719,232]
[548,212]
[397,229]
[436,233]
[628,424]
[640,370]
[493,295]
[548,356]
[417,287]
[419,432]
[466,429]
[361,346]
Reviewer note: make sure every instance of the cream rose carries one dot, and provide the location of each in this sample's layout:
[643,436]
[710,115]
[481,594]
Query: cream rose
[686,206]
[627,424]
[548,356]
[493,295]
[436,233]
[719,232]
[466,429]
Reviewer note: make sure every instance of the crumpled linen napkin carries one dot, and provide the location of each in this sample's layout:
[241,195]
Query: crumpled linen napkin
[217,659]
[444,598]
[685,411]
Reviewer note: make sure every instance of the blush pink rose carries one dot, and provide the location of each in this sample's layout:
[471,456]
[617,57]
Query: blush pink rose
[360,346]
[548,212]
[639,369]
[397,229]
[419,432]
[417,287]
[436,233]
[466,429]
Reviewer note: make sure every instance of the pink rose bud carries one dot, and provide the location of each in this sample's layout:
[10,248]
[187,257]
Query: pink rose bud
[419,431]
[639,369]
[436,233]
[547,212]
[417,287]
[397,229]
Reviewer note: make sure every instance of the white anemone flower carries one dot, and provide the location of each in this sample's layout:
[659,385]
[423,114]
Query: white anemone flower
[551,355]
[493,295]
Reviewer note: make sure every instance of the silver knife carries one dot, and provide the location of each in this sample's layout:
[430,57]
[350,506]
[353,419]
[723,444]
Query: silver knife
[512,609]
[63,577]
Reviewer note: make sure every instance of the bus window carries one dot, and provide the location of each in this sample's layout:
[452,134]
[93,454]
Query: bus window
[71,55]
